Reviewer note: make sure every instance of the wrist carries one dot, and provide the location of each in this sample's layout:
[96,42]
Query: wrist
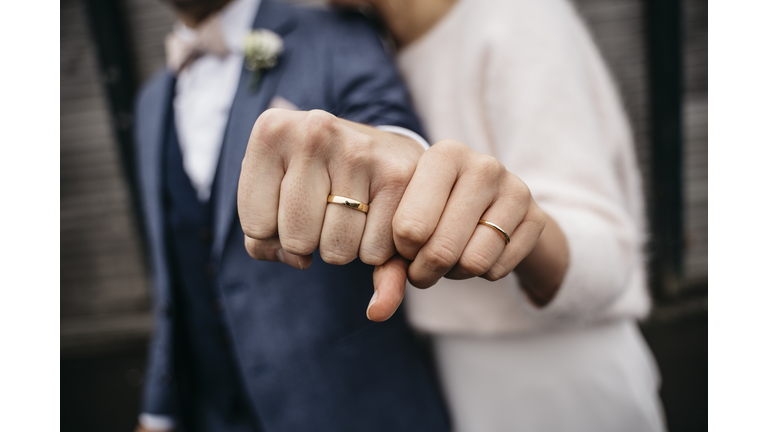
[406,133]
[541,273]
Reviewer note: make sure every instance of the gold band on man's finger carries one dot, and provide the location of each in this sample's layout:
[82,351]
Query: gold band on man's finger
[348,202]
[498,229]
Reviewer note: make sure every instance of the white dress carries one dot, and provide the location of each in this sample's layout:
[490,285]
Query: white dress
[523,81]
[600,378]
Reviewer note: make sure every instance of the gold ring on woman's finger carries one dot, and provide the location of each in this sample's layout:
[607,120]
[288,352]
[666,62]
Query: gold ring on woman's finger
[498,229]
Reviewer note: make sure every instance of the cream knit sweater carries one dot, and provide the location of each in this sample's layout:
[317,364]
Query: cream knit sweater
[523,81]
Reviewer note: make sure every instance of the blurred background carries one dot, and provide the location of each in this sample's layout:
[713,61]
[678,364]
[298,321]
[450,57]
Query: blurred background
[656,50]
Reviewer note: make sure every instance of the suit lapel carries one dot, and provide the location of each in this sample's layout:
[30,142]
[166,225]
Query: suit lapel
[246,108]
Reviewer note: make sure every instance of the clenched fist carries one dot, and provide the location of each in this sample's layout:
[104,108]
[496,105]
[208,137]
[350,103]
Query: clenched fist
[294,161]
[436,224]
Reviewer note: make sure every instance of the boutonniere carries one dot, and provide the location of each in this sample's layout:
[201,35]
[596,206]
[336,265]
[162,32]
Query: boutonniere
[262,48]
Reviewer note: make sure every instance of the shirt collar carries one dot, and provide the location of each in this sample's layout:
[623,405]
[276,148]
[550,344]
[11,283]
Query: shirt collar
[236,20]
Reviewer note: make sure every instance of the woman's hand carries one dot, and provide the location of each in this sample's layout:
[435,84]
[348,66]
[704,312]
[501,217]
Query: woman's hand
[436,224]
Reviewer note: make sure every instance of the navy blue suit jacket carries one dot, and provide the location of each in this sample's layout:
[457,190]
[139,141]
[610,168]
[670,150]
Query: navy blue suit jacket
[309,358]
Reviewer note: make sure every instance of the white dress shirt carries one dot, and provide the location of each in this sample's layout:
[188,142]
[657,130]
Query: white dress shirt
[205,90]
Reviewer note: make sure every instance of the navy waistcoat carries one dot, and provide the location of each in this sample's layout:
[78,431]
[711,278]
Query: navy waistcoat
[208,382]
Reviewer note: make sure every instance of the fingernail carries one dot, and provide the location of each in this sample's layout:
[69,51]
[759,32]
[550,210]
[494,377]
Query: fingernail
[289,259]
[373,300]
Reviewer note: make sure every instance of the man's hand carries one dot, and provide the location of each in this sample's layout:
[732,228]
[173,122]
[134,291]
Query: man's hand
[293,162]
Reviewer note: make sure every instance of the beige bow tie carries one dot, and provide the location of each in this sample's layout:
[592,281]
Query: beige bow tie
[180,52]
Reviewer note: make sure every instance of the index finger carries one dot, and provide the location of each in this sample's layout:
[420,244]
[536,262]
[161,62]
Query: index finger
[261,174]
[424,200]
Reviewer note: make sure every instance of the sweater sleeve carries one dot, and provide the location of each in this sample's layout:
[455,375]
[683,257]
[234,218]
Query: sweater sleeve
[556,122]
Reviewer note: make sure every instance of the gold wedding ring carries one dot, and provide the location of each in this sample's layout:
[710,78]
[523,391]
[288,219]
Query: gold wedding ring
[498,229]
[348,202]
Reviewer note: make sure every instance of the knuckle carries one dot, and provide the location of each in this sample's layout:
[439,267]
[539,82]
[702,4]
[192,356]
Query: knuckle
[487,165]
[253,249]
[420,276]
[336,257]
[361,141]
[249,247]
[271,124]
[410,230]
[319,122]
[254,229]
[516,190]
[400,175]
[394,177]
[496,272]
[474,263]
[421,282]
[519,185]
[270,116]
[450,152]
[319,128]
[451,147]
[377,256]
[297,246]
[357,152]
[441,255]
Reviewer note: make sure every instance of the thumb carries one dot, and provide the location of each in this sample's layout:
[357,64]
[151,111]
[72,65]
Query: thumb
[389,288]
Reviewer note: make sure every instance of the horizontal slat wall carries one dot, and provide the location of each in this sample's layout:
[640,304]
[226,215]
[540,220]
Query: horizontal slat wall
[147,23]
[103,277]
[695,62]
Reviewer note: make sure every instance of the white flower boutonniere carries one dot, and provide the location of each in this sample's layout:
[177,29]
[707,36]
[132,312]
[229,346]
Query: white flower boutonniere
[262,48]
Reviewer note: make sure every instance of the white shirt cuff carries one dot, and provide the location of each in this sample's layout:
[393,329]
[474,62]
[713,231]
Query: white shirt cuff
[157,422]
[405,132]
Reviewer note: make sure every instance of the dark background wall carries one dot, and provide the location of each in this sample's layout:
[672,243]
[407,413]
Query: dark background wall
[108,47]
